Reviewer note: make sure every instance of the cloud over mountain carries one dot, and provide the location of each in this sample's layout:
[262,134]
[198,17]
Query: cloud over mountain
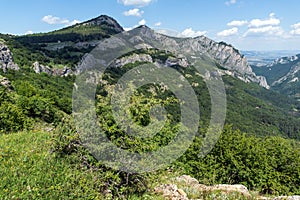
[139,3]
[134,12]
[49,19]
[228,32]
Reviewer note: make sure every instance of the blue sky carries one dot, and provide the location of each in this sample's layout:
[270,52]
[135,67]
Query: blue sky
[246,24]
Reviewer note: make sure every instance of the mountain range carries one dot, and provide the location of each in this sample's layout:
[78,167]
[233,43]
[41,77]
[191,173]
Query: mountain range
[282,74]
[258,146]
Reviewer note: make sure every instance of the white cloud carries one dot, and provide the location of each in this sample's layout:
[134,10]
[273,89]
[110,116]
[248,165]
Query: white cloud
[74,22]
[296,29]
[295,32]
[272,21]
[157,24]
[296,26]
[49,19]
[228,32]
[228,3]
[29,32]
[189,32]
[266,28]
[265,31]
[139,3]
[237,23]
[134,12]
[169,32]
[142,22]
[128,29]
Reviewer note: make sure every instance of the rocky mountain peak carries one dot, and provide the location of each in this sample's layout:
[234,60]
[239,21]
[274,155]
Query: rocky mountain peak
[229,58]
[105,20]
[284,60]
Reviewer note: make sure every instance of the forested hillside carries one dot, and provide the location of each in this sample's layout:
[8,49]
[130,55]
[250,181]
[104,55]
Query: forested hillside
[42,156]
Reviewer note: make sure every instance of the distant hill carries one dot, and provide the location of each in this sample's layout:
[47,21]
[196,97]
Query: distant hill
[262,58]
[64,47]
[283,75]
[94,29]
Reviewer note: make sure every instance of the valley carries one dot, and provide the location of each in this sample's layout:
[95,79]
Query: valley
[43,154]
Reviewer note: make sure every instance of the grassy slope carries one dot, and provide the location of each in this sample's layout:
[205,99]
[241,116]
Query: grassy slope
[30,171]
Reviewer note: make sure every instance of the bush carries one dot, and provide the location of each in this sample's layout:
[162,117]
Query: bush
[270,165]
[12,118]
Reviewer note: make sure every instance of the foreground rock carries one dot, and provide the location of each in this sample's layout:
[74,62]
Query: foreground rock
[171,191]
[191,187]
[287,198]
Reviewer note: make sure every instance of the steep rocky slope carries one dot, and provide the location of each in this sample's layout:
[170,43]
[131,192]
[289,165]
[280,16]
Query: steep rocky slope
[228,59]
[81,38]
[6,59]
[283,75]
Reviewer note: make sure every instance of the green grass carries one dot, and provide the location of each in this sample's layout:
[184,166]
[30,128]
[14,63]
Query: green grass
[29,170]
[83,30]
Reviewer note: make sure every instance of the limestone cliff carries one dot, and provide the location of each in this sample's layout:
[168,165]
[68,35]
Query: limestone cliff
[229,59]
[6,59]
[39,68]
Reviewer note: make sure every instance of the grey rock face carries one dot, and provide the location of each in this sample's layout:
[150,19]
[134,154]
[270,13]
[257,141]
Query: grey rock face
[41,68]
[132,59]
[6,59]
[192,186]
[291,76]
[6,83]
[38,68]
[228,58]
[171,191]
[287,198]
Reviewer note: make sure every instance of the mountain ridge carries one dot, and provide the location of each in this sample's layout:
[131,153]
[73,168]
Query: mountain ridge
[86,35]
[38,131]
[283,75]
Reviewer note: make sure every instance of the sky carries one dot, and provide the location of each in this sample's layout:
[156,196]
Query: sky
[246,24]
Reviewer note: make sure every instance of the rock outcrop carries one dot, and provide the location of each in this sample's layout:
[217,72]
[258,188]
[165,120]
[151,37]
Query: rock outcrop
[6,59]
[229,58]
[287,198]
[171,191]
[6,83]
[132,59]
[290,77]
[39,68]
[191,187]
